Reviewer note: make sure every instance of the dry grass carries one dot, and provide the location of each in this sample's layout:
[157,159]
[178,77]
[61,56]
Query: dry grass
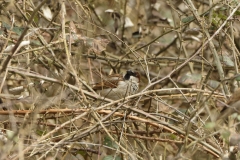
[53,52]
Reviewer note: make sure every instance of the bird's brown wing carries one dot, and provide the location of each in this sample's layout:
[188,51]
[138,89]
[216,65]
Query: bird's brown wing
[112,83]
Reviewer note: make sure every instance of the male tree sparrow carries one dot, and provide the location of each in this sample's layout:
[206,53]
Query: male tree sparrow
[118,86]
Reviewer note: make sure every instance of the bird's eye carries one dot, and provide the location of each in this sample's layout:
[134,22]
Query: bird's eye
[131,73]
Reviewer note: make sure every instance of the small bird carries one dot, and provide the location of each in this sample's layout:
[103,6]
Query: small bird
[232,106]
[118,86]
